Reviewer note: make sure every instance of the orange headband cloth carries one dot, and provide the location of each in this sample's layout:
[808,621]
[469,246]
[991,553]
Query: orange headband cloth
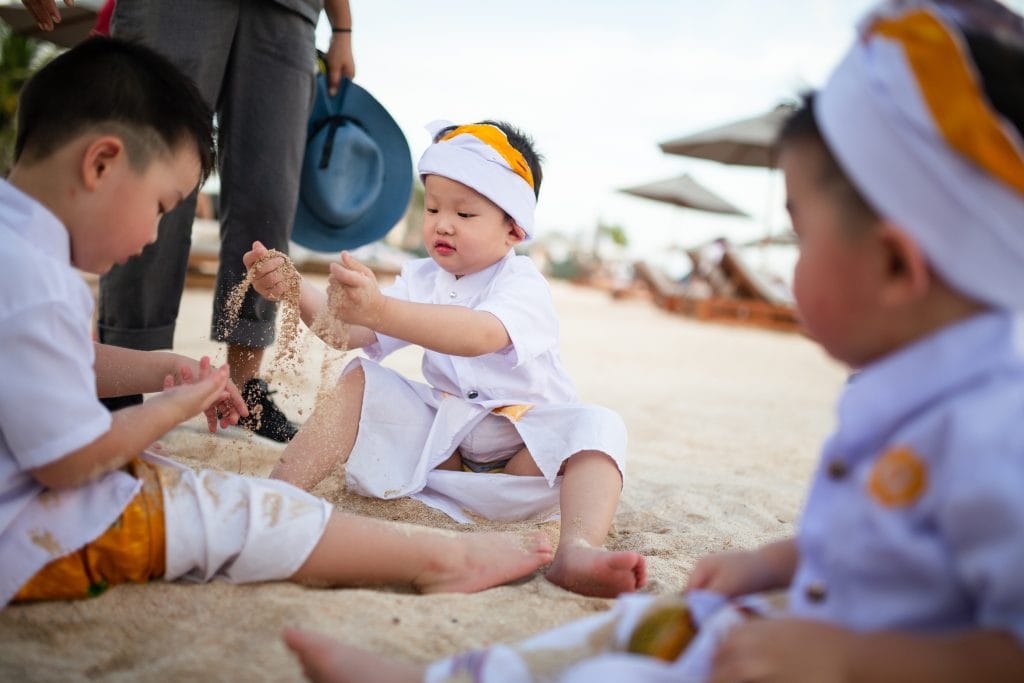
[495,138]
[953,94]
[907,119]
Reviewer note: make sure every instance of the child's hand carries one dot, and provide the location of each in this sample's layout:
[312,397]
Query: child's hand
[269,279]
[227,407]
[732,574]
[353,294]
[791,650]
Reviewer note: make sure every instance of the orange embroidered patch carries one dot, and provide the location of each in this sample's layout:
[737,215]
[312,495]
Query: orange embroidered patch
[513,413]
[898,478]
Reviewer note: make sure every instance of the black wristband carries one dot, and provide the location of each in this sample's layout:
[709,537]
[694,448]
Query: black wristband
[340,30]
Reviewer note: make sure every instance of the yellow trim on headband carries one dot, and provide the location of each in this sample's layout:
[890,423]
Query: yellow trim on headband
[493,137]
[953,95]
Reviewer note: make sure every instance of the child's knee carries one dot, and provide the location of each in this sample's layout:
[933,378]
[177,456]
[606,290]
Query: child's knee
[594,460]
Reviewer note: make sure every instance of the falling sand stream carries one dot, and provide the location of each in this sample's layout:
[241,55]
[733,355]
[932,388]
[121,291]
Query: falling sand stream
[290,344]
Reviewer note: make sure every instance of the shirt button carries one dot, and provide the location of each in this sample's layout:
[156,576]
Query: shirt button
[837,470]
[815,592]
[472,393]
[451,295]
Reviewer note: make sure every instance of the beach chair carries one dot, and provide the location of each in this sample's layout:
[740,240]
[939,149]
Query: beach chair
[727,292]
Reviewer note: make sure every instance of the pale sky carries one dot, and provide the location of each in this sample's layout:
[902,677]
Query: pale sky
[599,84]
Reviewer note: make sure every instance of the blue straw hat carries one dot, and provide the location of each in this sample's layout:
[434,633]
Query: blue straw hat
[356,174]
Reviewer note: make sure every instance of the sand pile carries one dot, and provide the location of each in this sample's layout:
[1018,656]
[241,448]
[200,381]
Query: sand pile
[724,427]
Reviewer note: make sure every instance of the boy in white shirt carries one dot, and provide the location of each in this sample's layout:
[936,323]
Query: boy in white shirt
[110,137]
[498,431]
[905,184]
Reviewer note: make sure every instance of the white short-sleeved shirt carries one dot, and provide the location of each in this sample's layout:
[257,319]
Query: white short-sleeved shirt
[915,519]
[48,404]
[529,370]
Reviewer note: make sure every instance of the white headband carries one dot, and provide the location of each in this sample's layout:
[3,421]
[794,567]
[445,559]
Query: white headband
[905,150]
[467,159]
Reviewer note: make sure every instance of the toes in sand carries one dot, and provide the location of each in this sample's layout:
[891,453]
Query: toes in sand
[598,572]
[325,660]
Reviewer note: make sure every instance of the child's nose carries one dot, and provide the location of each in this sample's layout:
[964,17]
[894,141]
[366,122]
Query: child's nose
[443,226]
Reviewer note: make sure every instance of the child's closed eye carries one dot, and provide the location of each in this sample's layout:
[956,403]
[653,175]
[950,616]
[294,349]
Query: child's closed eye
[463,214]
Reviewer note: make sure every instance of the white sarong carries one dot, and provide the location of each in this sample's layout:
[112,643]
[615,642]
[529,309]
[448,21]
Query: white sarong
[407,429]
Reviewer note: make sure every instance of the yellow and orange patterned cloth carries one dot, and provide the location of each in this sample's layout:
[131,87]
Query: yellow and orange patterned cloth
[195,526]
[132,549]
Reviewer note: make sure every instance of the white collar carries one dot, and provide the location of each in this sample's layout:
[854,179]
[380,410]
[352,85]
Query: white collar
[885,393]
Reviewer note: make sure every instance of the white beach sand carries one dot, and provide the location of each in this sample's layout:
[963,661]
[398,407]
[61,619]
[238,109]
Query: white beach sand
[724,423]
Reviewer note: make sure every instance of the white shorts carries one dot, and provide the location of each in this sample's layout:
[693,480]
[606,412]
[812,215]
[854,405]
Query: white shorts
[238,528]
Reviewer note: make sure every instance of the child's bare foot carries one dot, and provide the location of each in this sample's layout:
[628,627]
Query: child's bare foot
[597,572]
[476,561]
[325,660]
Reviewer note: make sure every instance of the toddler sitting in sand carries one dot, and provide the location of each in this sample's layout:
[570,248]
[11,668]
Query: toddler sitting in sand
[905,184]
[498,431]
[110,137]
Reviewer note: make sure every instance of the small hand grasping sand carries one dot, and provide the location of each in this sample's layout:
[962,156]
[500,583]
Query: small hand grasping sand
[286,344]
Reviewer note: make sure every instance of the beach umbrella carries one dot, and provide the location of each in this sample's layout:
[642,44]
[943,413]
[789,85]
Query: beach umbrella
[74,27]
[747,142]
[686,192]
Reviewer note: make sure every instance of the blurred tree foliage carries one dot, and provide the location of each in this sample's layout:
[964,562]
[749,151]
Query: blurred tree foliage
[19,58]
[615,232]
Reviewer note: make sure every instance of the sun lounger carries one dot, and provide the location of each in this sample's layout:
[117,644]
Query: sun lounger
[728,292]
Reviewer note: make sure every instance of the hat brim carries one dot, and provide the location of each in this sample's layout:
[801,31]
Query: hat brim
[313,233]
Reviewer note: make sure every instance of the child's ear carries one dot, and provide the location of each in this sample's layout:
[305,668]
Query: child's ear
[101,155]
[906,274]
[515,233]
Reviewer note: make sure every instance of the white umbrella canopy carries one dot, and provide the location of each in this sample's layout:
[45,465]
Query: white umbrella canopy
[74,27]
[747,142]
[686,192]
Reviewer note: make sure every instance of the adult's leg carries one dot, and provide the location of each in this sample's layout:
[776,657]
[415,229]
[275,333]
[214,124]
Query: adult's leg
[262,119]
[139,301]
[589,495]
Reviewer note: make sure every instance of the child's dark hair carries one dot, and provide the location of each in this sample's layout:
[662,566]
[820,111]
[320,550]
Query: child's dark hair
[520,141]
[801,126]
[1001,67]
[119,87]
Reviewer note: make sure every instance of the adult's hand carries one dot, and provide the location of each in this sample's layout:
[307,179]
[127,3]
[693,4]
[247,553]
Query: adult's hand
[339,55]
[340,62]
[45,12]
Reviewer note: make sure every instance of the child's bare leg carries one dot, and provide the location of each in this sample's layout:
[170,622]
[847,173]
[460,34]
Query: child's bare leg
[589,496]
[327,437]
[358,550]
[523,464]
[325,660]
[453,463]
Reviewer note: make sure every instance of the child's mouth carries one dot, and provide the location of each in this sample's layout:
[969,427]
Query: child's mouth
[443,248]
